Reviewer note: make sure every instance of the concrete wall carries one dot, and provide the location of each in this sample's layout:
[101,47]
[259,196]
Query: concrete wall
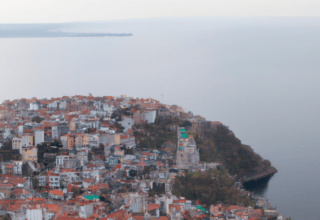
[39,137]
[34,106]
[126,123]
[34,214]
[55,133]
[150,116]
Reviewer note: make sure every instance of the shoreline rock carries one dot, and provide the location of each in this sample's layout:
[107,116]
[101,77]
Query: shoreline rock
[255,177]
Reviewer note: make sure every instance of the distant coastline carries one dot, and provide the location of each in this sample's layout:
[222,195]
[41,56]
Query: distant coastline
[55,30]
[58,34]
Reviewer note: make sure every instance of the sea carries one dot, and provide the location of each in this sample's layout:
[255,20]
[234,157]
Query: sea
[258,75]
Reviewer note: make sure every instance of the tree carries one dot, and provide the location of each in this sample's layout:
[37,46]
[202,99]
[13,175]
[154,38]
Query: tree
[46,148]
[146,170]
[102,198]
[5,217]
[90,156]
[267,163]
[37,119]
[209,188]
[26,170]
[133,173]
[35,182]
[76,191]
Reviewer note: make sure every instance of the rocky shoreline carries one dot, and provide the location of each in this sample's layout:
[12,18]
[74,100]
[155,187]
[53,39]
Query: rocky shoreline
[257,176]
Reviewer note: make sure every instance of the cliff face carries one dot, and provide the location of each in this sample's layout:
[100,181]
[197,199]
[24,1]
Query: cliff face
[215,141]
[218,144]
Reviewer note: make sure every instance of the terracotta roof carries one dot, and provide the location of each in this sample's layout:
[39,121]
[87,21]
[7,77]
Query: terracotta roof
[67,170]
[118,215]
[117,167]
[153,207]
[179,201]
[6,185]
[68,218]
[233,207]
[137,217]
[56,192]
[88,180]
[162,218]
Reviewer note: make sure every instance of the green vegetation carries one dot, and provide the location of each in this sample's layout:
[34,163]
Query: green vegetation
[154,135]
[35,183]
[26,170]
[157,189]
[148,169]
[6,152]
[119,127]
[209,188]
[216,144]
[220,144]
[90,156]
[5,217]
[46,148]
[37,119]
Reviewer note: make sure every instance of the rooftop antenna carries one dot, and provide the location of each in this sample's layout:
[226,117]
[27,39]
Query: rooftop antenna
[162,99]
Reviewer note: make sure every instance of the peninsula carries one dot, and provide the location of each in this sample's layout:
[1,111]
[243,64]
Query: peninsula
[85,157]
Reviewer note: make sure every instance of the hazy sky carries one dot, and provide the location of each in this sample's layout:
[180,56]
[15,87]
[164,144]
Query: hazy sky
[48,11]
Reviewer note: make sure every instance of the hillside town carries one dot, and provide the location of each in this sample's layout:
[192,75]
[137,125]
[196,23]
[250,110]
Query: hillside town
[80,157]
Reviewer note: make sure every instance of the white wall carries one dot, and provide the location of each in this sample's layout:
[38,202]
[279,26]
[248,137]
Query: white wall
[39,137]
[150,116]
[34,106]
[34,214]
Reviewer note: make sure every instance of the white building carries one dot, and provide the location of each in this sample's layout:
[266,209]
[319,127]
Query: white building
[39,137]
[59,161]
[108,108]
[54,181]
[86,211]
[6,133]
[17,167]
[127,123]
[34,214]
[17,144]
[34,106]
[20,130]
[150,116]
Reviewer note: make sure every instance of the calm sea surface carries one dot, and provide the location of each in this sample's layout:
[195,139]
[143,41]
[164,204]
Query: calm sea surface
[259,76]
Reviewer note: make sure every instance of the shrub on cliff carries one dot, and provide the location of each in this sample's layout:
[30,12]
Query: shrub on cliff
[222,145]
[209,188]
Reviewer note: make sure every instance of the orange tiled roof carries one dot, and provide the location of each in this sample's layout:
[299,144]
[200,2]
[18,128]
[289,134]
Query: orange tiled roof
[179,201]
[56,192]
[68,218]
[117,167]
[153,207]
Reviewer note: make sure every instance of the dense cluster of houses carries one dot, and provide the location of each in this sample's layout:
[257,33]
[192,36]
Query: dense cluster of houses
[90,167]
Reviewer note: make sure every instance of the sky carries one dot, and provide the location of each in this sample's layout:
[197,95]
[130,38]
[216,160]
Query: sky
[56,11]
